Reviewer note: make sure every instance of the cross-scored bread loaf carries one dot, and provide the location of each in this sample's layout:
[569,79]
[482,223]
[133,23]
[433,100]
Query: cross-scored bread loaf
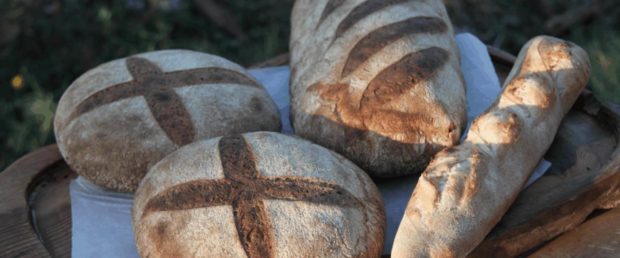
[120,118]
[378,81]
[257,195]
[466,189]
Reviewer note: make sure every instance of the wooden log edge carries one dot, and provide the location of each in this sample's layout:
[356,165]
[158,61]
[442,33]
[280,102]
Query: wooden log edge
[597,237]
[18,236]
[558,220]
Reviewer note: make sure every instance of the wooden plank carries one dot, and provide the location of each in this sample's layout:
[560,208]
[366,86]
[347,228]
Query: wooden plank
[501,57]
[51,208]
[17,235]
[598,237]
[282,59]
[576,185]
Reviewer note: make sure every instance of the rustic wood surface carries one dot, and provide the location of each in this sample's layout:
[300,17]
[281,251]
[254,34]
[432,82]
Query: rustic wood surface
[19,232]
[35,219]
[278,60]
[51,209]
[598,237]
[501,58]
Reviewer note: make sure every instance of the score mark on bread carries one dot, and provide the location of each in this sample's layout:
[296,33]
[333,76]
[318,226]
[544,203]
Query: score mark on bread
[388,85]
[361,11]
[245,190]
[377,80]
[395,80]
[329,9]
[381,37]
[157,87]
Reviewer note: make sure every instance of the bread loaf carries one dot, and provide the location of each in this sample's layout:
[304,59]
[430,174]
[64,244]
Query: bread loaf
[377,81]
[120,118]
[466,189]
[257,195]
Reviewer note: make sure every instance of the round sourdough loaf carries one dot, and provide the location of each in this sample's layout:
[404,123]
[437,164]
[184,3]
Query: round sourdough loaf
[378,81]
[122,117]
[257,195]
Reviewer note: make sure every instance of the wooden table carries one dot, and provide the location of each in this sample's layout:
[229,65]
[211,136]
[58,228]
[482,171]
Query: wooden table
[582,184]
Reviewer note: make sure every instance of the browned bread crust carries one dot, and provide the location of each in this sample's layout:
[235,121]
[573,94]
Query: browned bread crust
[257,195]
[377,81]
[119,118]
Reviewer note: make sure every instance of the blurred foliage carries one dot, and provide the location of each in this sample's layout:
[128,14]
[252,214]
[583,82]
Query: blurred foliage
[604,53]
[592,24]
[46,44]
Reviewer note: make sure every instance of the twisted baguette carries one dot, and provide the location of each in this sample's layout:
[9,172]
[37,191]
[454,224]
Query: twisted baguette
[466,189]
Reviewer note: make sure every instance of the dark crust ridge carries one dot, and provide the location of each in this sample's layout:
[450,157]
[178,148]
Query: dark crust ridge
[157,87]
[329,9]
[382,37]
[370,111]
[405,74]
[244,189]
[361,11]
[388,85]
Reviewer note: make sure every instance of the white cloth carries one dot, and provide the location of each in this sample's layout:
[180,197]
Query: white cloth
[102,220]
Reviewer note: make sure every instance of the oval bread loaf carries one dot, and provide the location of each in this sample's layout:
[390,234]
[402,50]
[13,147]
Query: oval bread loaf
[257,195]
[378,81]
[466,189]
[120,118]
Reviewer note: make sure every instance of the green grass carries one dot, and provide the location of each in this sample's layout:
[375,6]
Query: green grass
[50,43]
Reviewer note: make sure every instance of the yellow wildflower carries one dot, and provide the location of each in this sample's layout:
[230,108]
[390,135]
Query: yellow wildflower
[17,82]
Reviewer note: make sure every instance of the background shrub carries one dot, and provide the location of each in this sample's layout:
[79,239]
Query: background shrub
[46,44]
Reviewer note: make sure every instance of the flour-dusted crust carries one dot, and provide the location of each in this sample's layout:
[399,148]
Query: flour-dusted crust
[257,195]
[121,117]
[467,188]
[378,81]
